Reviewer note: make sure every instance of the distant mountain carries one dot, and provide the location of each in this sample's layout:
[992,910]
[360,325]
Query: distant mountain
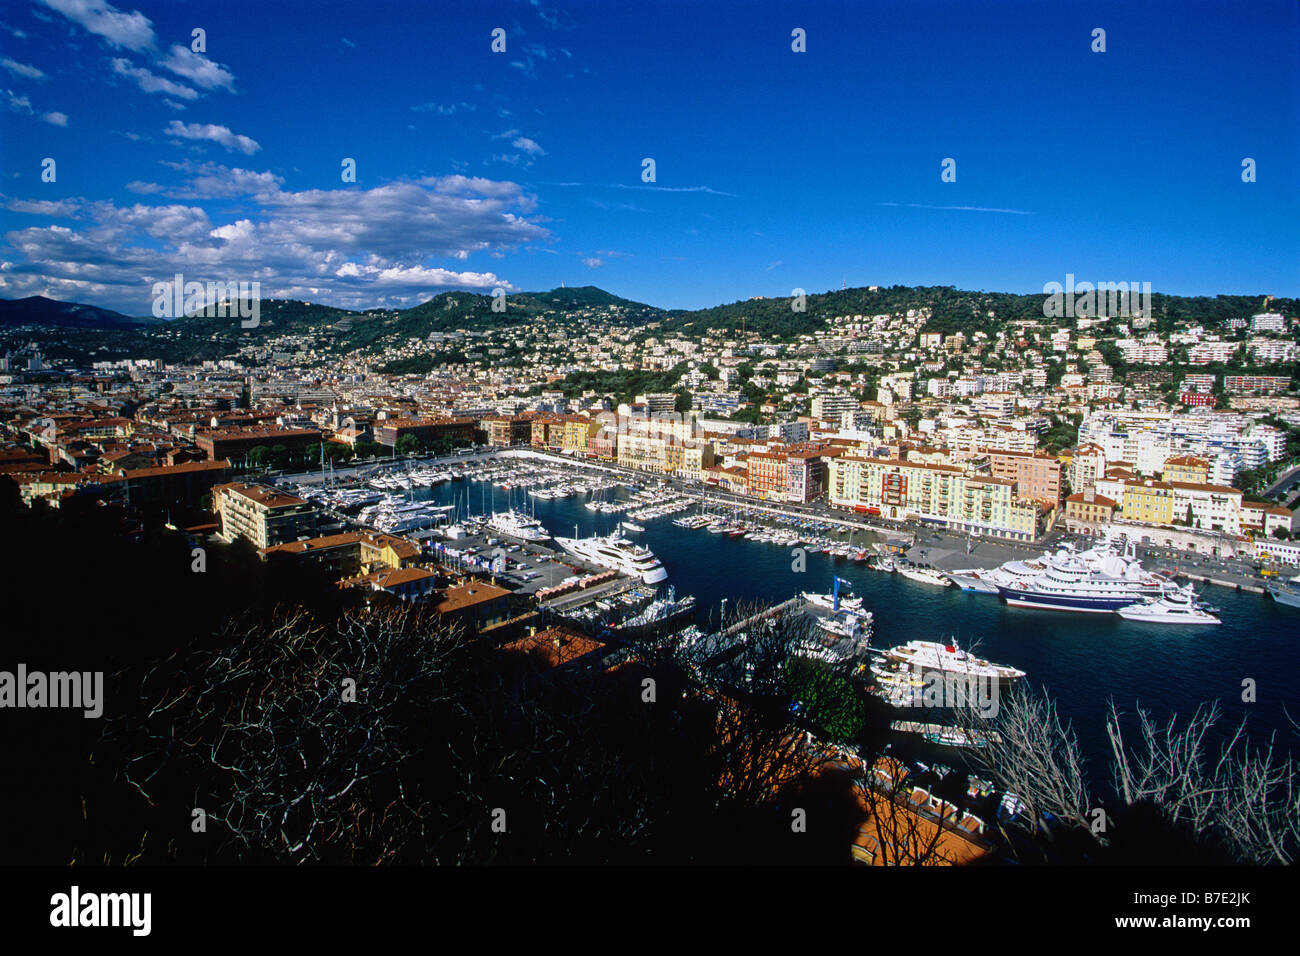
[442,313]
[38,310]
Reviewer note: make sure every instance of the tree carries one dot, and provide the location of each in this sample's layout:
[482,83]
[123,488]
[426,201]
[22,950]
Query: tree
[1247,798]
[407,444]
[684,401]
[829,700]
[259,456]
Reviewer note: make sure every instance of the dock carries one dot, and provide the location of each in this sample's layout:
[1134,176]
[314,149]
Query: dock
[1222,582]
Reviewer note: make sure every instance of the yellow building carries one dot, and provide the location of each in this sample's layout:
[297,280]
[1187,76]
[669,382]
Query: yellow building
[1150,502]
[577,429]
[1187,468]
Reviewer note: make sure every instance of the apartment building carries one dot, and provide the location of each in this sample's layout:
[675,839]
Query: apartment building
[503,431]
[1088,512]
[262,515]
[1186,468]
[1168,503]
[1036,475]
[424,429]
[936,494]
[1087,464]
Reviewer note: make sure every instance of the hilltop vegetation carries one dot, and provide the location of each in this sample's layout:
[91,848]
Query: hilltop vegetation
[100,334]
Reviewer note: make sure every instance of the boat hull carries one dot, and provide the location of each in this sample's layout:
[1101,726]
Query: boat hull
[1087,604]
[1282,596]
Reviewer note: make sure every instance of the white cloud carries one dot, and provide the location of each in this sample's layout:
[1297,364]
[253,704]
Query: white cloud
[19,104]
[215,181]
[151,82]
[917,205]
[354,247]
[214,133]
[22,69]
[56,118]
[593,263]
[528,146]
[444,109]
[132,31]
[198,69]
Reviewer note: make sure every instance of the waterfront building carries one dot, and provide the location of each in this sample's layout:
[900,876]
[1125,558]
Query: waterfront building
[263,515]
[943,495]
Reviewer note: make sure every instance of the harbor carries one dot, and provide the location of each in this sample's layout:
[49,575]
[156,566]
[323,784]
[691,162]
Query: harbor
[1080,659]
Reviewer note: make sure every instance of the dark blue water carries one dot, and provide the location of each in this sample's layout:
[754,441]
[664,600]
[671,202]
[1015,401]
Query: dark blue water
[1083,660]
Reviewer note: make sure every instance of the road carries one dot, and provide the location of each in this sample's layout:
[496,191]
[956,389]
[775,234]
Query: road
[1288,480]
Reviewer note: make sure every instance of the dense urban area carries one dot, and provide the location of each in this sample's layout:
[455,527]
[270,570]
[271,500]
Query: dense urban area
[255,480]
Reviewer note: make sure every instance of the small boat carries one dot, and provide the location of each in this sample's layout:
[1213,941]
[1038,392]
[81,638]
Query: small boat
[970,579]
[957,737]
[1174,606]
[924,575]
[1286,592]
[631,526]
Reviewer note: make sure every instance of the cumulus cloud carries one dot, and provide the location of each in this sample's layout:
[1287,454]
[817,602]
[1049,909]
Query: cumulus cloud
[213,133]
[198,69]
[151,82]
[528,146]
[131,31]
[353,247]
[56,118]
[22,69]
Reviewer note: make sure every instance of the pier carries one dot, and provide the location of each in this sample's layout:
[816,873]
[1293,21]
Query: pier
[1238,585]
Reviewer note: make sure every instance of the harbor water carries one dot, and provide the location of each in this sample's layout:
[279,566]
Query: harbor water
[1082,660]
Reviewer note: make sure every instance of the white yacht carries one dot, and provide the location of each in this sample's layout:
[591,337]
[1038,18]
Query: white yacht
[1099,580]
[921,656]
[923,575]
[617,553]
[1174,606]
[516,524]
[973,579]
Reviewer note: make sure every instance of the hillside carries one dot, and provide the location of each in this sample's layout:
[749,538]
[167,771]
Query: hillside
[87,333]
[38,310]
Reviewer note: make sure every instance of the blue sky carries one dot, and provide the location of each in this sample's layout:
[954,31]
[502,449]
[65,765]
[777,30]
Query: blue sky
[774,169]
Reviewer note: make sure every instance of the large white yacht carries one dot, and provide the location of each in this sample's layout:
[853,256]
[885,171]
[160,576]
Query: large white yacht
[923,656]
[1101,579]
[516,524]
[617,553]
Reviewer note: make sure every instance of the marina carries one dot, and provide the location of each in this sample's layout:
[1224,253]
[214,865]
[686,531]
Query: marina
[1168,668]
